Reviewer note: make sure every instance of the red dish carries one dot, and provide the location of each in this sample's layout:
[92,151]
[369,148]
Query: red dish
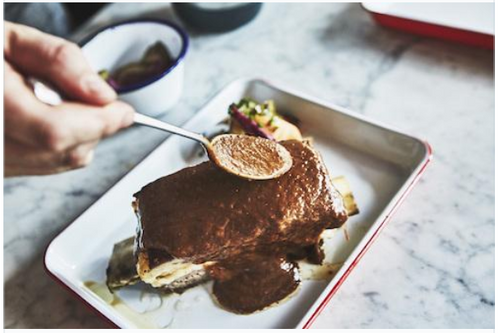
[467,23]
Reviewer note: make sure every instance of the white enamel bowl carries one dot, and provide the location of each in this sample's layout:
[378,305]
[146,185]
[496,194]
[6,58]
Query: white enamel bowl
[122,43]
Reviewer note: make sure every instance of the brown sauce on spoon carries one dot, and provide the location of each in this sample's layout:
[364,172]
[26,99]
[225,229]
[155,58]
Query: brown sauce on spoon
[250,157]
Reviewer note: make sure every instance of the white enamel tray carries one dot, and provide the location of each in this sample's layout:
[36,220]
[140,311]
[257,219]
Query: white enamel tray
[381,164]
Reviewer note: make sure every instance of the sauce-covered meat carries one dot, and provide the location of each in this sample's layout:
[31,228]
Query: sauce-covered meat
[203,214]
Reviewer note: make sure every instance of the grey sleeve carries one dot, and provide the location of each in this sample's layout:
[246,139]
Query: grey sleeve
[51,18]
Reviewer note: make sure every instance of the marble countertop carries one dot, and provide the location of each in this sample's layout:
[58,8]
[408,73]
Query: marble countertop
[433,265]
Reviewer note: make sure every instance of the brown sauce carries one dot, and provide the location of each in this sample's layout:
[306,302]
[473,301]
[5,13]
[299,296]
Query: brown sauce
[253,282]
[249,156]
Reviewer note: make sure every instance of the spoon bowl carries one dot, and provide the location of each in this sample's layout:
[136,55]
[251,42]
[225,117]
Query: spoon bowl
[250,157]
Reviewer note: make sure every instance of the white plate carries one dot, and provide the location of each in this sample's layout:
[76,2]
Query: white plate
[381,164]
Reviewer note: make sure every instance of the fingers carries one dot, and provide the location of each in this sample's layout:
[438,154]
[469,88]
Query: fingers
[23,111]
[61,127]
[68,125]
[56,60]
[71,124]
[21,159]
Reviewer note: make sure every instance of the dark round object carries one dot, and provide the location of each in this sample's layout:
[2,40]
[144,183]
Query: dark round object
[208,17]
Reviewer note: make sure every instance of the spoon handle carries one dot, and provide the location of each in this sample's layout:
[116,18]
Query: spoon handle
[144,120]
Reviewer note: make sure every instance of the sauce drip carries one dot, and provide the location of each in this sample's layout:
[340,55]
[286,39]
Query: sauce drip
[253,282]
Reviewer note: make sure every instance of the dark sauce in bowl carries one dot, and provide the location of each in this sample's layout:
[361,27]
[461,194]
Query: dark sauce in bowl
[155,61]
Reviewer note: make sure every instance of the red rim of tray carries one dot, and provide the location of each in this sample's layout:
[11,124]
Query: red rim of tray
[462,36]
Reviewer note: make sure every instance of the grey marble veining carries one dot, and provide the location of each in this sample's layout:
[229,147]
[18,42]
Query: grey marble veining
[433,265]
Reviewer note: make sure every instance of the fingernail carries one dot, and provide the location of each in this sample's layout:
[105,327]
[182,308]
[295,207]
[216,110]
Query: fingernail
[128,119]
[89,157]
[97,86]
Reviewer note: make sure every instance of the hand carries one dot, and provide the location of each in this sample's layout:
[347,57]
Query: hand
[42,139]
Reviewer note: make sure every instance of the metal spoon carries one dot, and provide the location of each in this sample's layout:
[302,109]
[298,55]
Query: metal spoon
[144,120]
[222,156]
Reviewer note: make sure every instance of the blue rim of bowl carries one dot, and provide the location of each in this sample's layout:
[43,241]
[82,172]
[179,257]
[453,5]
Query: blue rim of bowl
[178,60]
